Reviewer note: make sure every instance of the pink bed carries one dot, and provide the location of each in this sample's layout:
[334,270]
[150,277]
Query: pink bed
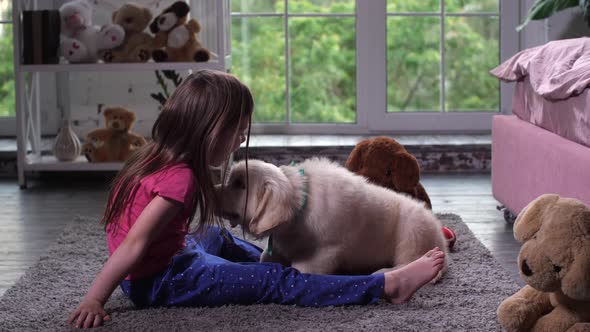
[545,148]
[528,161]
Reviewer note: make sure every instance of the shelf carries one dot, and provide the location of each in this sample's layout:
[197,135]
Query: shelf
[30,81]
[50,163]
[66,67]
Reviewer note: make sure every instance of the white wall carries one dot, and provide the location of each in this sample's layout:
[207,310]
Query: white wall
[565,24]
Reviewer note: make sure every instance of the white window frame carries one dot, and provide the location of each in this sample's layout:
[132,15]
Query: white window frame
[371,80]
[436,122]
[7,124]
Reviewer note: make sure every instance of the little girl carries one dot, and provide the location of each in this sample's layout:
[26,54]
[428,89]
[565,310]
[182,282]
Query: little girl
[157,262]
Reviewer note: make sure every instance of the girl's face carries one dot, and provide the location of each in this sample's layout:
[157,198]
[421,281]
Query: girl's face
[229,142]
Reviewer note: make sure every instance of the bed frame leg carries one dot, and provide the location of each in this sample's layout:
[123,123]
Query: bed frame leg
[509,217]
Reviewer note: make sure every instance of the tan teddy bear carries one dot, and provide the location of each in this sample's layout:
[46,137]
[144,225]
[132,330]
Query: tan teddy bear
[137,46]
[116,142]
[176,37]
[554,261]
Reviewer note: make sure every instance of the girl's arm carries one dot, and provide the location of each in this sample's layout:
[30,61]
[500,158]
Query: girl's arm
[149,224]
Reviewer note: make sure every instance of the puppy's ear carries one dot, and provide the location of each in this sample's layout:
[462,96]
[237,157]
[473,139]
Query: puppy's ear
[273,209]
[147,15]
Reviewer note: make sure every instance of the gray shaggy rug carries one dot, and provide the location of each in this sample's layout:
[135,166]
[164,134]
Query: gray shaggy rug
[465,300]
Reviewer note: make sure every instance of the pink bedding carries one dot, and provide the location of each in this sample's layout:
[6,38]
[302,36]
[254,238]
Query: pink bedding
[568,118]
[552,87]
[557,70]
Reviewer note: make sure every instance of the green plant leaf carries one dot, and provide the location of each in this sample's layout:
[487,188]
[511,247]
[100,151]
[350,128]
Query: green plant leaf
[159,97]
[585,5]
[542,9]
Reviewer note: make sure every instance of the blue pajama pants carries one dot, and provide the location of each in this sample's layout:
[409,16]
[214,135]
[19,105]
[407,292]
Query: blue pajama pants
[219,269]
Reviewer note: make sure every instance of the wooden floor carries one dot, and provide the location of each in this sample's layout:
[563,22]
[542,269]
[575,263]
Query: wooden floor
[30,220]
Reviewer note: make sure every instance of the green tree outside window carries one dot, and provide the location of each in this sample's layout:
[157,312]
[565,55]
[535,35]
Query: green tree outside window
[322,51]
[7,101]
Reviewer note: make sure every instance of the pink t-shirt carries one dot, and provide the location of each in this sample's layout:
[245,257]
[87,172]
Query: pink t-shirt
[176,183]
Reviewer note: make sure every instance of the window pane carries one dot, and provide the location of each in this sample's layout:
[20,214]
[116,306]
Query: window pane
[322,70]
[472,49]
[404,6]
[321,6]
[258,59]
[6,10]
[472,6]
[257,6]
[413,64]
[7,103]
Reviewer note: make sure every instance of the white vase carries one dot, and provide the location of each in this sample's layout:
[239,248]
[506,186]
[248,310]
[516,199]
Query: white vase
[67,145]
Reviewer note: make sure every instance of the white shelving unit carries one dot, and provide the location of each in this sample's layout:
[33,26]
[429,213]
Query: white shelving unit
[27,84]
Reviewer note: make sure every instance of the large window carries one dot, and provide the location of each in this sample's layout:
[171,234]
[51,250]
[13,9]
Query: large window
[439,54]
[298,57]
[7,103]
[380,65]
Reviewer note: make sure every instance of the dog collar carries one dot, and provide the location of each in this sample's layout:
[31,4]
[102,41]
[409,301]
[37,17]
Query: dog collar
[302,173]
[305,189]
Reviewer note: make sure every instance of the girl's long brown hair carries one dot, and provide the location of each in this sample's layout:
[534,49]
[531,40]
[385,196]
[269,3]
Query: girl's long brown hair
[207,105]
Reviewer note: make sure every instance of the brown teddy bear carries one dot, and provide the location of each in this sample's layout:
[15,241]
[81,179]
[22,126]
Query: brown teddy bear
[116,142]
[554,261]
[386,163]
[176,37]
[138,45]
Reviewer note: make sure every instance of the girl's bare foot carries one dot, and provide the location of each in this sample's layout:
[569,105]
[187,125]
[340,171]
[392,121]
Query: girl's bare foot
[401,284]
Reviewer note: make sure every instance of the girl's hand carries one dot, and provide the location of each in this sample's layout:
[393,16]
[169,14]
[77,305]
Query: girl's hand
[89,313]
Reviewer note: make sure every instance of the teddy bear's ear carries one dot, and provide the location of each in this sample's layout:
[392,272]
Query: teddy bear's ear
[130,116]
[154,27]
[114,15]
[355,160]
[529,220]
[180,9]
[147,14]
[584,222]
[107,112]
[576,283]
[406,171]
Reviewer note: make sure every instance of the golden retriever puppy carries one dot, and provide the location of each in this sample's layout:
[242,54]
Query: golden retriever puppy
[324,219]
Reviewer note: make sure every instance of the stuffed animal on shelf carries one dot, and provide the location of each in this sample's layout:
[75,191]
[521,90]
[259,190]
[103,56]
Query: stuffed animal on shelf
[386,163]
[554,261]
[176,37]
[81,41]
[137,46]
[116,142]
